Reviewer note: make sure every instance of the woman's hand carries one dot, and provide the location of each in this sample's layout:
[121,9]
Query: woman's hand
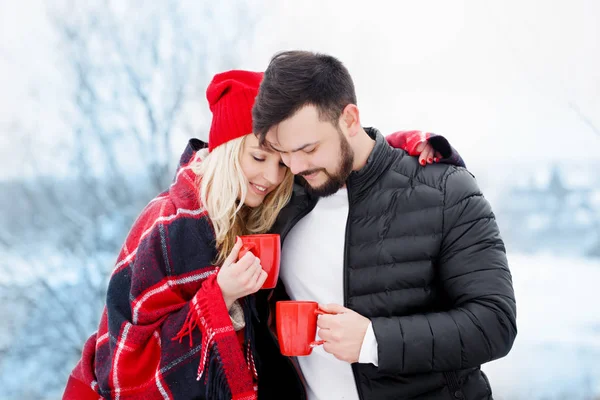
[427,155]
[415,143]
[240,278]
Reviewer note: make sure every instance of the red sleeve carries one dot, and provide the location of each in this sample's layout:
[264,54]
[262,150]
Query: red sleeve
[407,140]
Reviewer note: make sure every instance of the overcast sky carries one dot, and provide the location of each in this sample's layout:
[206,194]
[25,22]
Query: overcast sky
[496,78]
[489,75]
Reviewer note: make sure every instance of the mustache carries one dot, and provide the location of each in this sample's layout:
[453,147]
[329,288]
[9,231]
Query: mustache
[310,171]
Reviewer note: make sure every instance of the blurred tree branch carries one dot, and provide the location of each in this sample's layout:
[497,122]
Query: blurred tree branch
[136,74]
[588,122]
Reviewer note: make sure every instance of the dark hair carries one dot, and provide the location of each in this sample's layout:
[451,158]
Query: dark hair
[295,79]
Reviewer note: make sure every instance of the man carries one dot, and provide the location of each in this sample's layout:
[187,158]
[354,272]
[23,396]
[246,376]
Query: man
[408,260]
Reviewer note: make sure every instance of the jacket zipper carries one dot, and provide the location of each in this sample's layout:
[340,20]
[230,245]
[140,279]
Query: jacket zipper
[354,367]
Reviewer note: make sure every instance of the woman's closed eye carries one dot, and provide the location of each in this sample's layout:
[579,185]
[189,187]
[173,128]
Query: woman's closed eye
[259,159]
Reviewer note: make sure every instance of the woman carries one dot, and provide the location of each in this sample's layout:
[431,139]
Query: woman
[178,317]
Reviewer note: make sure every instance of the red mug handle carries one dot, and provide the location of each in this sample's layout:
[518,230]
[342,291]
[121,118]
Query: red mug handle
[246,248]
[318,342]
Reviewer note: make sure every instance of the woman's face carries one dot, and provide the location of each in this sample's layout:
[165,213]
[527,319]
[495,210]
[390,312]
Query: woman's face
[263,169]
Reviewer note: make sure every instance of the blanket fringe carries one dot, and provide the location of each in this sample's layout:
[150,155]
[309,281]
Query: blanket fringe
[190,323]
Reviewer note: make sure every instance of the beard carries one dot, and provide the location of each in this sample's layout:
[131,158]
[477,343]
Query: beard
[335,181]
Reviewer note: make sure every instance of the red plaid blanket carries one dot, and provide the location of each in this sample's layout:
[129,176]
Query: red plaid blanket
[162,291]
[164,287]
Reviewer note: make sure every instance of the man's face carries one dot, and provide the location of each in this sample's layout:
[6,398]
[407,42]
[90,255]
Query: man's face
[316,150]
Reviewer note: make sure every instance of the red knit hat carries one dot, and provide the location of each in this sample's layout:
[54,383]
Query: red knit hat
[230,97]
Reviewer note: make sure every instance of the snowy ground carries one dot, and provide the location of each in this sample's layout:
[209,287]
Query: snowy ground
[556,354]
[557,351]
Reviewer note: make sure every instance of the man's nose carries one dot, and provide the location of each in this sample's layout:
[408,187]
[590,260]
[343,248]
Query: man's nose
[297,164]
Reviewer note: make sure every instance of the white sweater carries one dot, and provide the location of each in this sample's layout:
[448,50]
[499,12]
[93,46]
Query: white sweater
[312,267]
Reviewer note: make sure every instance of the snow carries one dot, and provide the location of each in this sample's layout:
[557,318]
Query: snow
[557,350]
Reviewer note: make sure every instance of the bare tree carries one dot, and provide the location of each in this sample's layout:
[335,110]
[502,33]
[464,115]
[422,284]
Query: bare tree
[136,74]
[584,118]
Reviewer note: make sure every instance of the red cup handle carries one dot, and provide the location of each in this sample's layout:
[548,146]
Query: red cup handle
[246,248]
[318,342]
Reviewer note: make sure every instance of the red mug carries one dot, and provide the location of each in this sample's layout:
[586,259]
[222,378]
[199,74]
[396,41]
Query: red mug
[267,247]
[297,327]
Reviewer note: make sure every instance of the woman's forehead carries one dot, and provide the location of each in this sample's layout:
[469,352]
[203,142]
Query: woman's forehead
[253,143]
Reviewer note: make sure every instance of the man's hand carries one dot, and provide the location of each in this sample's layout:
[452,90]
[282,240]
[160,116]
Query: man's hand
[343,331]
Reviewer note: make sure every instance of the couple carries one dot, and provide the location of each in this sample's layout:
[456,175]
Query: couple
[407,257]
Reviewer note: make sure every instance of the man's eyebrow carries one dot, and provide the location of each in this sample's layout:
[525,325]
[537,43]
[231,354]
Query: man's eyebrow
[292,151]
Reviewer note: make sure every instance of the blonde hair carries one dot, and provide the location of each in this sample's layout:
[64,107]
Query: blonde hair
[223,188]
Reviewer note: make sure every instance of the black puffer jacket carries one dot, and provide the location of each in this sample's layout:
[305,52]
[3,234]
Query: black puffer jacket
[425,262]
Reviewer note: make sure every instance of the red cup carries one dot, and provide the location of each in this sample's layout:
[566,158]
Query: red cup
[267,247]
[297,327]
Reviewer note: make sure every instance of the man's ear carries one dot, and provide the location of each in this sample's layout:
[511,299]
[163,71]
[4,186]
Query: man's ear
[350,120]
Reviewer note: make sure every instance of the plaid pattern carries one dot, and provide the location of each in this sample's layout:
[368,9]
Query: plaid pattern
[165,332]
[164,287]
